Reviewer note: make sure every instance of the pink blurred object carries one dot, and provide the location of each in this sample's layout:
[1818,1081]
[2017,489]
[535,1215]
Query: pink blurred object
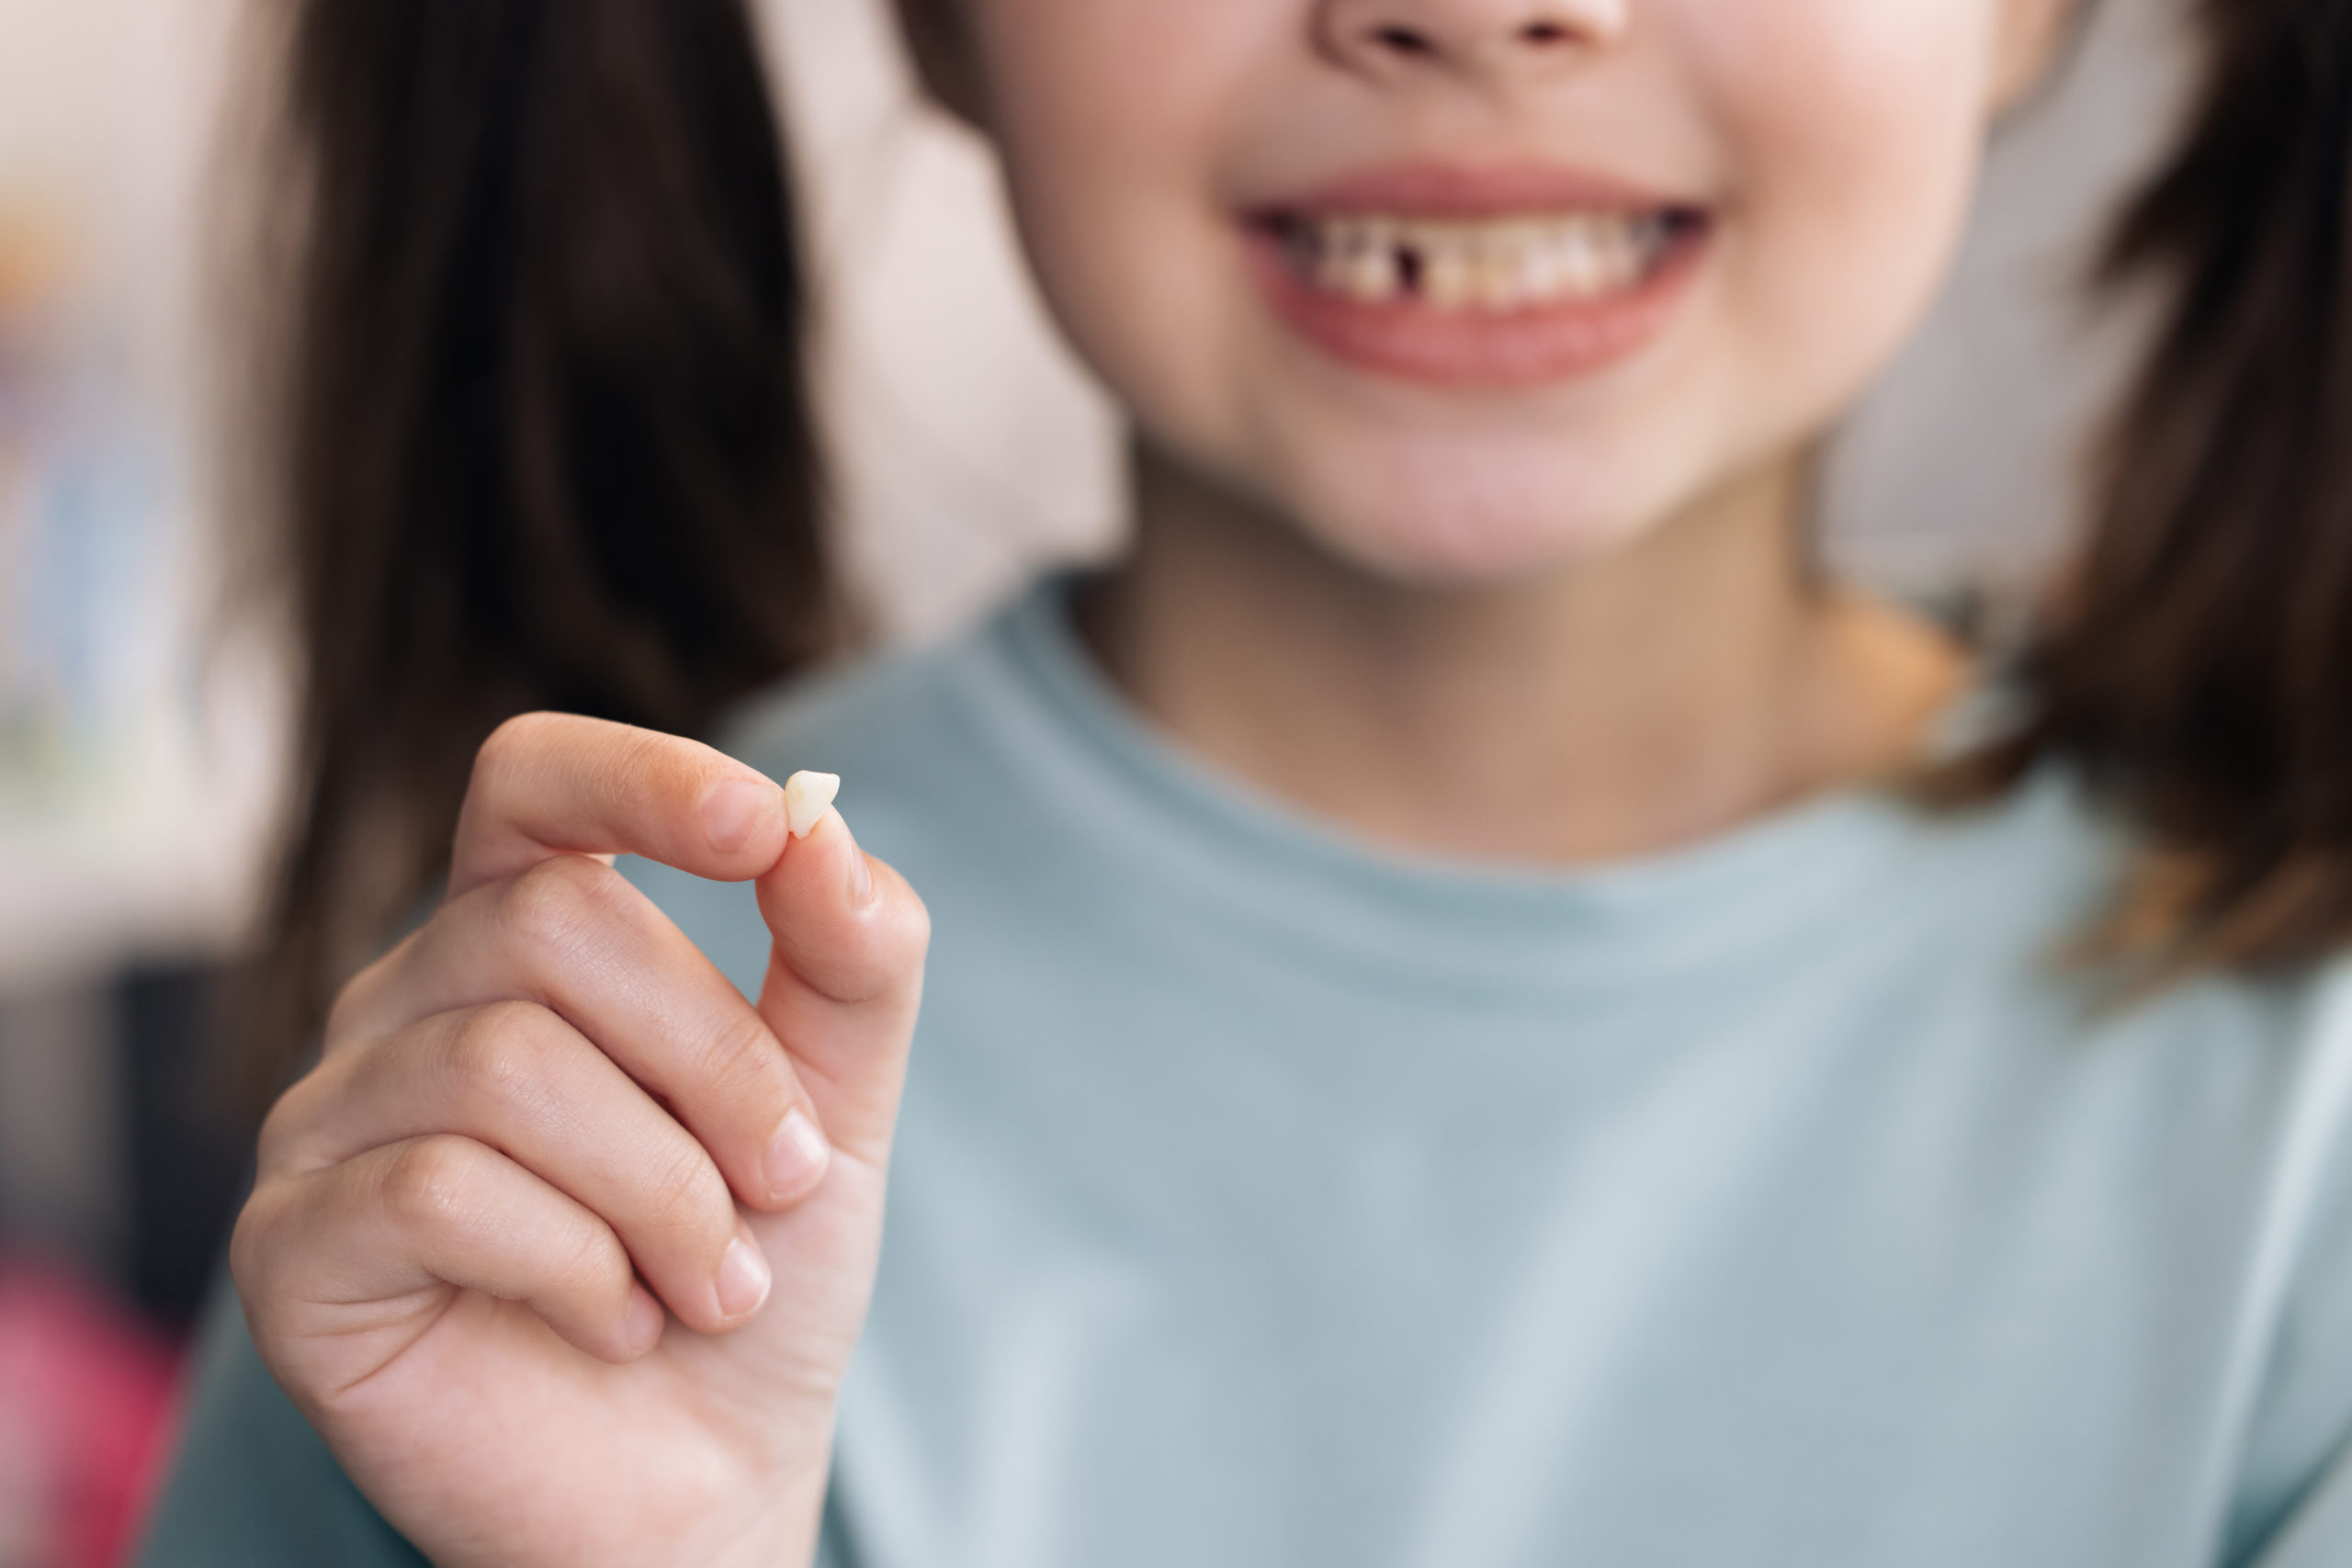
[87,1394]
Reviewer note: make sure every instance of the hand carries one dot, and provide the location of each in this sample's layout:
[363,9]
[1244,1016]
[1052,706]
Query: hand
[545,1116]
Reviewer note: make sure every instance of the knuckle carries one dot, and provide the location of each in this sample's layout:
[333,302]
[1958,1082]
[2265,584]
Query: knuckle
[515,739]
[350,1003]
[282,1130]
[503,1053]
[427,1184]
[650,751]
[557,901]
[363,994]
[598,1268]
[891,957]
[741,1058]
[249,1239]
[640,752]
[685,1197]
[906,934]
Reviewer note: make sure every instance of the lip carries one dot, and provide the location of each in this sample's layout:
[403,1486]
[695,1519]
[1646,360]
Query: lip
[1516,350]
[1475,190]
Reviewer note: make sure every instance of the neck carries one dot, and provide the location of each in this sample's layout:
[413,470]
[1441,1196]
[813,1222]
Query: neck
[1669,691]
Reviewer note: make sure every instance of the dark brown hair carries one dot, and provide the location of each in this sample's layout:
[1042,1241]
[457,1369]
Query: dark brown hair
[542,440]
[2195,669]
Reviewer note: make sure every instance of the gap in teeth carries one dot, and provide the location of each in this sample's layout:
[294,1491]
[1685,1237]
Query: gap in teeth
[1487,265]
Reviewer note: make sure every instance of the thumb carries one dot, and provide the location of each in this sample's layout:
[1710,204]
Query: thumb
[845,979]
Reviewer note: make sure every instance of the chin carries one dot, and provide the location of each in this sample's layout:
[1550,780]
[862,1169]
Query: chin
[1450,521]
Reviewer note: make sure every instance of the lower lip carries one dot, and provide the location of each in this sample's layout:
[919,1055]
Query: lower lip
[1408,340]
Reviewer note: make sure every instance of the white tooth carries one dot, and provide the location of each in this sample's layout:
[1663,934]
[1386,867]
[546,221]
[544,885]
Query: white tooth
[1623,254]
[805,798]
[1581,264]
[1540,272]
[1540,264]
[1449,267]
[1496,267]
[1371,275]
[1504,269]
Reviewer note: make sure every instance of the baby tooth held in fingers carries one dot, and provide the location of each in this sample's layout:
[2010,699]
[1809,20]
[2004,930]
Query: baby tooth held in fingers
[806,797]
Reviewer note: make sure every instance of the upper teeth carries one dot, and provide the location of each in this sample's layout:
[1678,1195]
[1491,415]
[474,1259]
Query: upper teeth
[1456,265]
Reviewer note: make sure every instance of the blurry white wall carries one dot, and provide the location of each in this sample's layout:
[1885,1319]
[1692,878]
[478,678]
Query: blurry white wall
[139,748]
[137,752]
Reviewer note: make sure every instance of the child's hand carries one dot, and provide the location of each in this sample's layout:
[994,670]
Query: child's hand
[547,1095]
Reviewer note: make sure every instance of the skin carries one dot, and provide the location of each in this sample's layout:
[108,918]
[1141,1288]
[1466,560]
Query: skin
[1565,622]
[465,1214]
[1578,614]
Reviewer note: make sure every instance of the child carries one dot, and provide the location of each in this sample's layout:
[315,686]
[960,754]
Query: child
[1442,1046]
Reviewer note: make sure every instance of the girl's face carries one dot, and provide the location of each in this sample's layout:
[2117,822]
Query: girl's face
[1464,289]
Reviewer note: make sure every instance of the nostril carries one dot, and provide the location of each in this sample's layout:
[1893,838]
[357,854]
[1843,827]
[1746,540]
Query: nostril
[1544,34]
[1402,40]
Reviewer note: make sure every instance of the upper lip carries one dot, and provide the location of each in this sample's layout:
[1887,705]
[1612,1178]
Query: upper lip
[1466,190]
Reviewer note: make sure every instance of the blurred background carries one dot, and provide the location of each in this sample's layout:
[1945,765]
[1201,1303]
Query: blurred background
[143,695]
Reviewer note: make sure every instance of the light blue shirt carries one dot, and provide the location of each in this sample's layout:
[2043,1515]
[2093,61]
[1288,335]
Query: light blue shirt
[1263,1199]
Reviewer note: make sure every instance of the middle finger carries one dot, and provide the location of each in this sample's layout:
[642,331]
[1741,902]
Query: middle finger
[574,936]
[514,1076]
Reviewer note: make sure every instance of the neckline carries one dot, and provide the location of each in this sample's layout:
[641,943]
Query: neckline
[1315,891]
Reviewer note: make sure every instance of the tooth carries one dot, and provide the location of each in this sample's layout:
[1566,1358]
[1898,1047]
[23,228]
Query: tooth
[1327,254]
[1502,268]
[1366,256]
[1648,234]
[1374,276]
[1498,266]
[1449,267]
[806,797]
[1656,234]
[1624,258]
[1368,265]
[1578,266]
[1538,266]
[1303,247]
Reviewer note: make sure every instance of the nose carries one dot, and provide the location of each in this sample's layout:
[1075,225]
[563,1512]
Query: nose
[1485,41]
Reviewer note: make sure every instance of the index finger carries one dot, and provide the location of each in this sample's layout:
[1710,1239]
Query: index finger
[548,784]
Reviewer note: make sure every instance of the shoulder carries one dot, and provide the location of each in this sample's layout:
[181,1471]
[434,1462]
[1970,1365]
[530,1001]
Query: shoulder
[2012,889]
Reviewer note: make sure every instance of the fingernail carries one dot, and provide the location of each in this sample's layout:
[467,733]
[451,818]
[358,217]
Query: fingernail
[641,1330]
[744,1280]
[734,811]
[797,1158]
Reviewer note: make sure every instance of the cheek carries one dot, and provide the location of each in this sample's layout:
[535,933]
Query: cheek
[1856,129]
[1110,168]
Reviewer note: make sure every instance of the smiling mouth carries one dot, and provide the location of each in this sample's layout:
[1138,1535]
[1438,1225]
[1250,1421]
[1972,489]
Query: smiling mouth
[1486,266]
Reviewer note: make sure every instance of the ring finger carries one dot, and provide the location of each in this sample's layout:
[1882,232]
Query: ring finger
[515,1076]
